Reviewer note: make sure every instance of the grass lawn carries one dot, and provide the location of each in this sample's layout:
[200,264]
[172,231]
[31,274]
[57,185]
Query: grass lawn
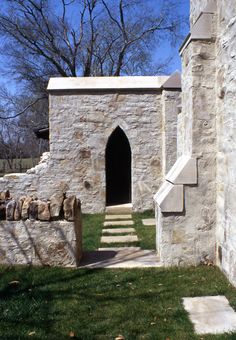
[49,303]
[92,232]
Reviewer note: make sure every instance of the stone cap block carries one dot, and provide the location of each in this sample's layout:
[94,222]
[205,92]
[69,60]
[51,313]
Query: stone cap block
[202,29]
[173,82]
[170,197]
[105,83]
[184,171]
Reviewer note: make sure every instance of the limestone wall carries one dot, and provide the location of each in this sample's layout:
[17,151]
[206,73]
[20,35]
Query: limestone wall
[186,216]
[226,127]
[81,122]
[40,243]
[78,144]
[171,101]
[40,233]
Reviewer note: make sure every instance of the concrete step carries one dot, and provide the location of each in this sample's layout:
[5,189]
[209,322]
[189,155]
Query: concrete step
[149,221]
[120,223]
[119,239]
[120,257]
[119,209]
[118,230]
[118,217]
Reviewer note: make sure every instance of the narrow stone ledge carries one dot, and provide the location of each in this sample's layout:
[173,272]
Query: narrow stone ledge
[119,239]
[118,217]
[184,171]
[121,223]
[170,198]
[118,231]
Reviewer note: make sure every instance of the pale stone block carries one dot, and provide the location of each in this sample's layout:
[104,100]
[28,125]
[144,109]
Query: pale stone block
[82,83]
[118,217]
[184,171]
[119,239]
[121,257]
[113,223]
[174,81]
[118,231]
[202,29]
[211,314]
[149,221]
[170,197]
[119,209]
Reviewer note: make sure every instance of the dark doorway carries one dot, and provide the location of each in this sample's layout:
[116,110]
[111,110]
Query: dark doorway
[118,168]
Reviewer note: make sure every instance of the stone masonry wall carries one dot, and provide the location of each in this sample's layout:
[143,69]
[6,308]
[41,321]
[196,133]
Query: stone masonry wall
[188,237]
[171,101]
[78,144]
[80,125]
[39,243]
[226,128]
[40,233]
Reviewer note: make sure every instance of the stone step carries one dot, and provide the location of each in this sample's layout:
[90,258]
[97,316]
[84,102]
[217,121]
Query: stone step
[149,221]
[119,239]
[120,257]
[118,230]
[118,217]
[120,223]
[119,209]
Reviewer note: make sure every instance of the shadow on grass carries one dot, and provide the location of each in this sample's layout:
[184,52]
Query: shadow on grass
[100,304]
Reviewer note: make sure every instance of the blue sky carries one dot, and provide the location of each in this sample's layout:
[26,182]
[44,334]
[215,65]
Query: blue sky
[166,49]
[161,52]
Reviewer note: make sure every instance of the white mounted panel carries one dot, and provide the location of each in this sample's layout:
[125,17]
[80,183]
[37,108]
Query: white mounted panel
[170,198]
[202,28]
[184,171]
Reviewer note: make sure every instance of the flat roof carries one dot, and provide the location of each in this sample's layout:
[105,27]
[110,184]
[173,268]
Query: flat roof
[106,83]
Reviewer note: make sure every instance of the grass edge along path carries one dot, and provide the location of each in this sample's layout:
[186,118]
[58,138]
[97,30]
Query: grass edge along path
[54,303]
[93,225]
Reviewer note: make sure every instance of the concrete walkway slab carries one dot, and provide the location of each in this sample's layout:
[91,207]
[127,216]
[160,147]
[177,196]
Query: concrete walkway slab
[118,230]
[119,209]
[149,221]
[120,223]
[125,257]
[211,314]
[119,239]
[118,217]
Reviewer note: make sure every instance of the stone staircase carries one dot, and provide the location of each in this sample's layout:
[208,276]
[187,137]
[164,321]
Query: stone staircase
[117,228]
[119,238]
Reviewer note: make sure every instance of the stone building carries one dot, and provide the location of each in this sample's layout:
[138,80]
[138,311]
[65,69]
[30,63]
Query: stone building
[184,155]
[196,209]
[107,139]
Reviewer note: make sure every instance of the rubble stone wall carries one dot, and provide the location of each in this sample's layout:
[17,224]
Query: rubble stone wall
[36,232]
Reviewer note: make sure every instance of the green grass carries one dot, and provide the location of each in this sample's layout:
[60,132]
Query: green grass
[48,303]
[92,231]
[18,165]
[146,234]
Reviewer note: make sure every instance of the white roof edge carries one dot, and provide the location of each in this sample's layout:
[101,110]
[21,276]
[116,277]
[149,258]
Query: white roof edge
[106,83]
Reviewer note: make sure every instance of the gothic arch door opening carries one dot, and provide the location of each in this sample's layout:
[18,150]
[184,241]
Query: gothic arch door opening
[118,168]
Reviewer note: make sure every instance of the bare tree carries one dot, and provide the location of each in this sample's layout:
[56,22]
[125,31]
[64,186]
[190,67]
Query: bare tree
[102,39]
[69,38]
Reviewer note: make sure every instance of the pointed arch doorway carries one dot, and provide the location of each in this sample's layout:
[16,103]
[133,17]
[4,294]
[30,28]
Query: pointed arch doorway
[118,168]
